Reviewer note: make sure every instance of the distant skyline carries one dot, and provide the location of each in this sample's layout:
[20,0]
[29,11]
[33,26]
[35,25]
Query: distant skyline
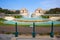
[30,5]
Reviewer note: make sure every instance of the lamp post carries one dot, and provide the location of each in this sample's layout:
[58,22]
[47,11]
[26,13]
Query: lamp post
[9,19]
[33,33]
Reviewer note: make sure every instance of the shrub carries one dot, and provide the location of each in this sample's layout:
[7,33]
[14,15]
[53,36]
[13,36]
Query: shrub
[20,16]
[45,16]
[1,19]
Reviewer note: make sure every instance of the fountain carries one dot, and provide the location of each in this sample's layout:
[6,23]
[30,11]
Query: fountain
[32,18]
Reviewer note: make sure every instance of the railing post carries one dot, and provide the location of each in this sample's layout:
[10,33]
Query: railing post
[33,33]
[52,33]
[16,32]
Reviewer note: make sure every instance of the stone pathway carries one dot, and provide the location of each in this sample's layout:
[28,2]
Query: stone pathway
[6,36]
[25,37]
[36,38]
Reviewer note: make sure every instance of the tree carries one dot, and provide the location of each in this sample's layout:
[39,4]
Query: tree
[44,16]
[0,10]
[17,11]
[53,11]
[18,16]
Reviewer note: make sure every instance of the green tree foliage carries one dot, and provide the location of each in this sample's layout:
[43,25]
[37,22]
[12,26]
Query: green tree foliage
[1,19]
[17,11]
[18,16]
[53,11]
[1,10]
[44,16]
[6,11]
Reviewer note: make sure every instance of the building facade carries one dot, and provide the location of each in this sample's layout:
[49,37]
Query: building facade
[38,12]
[24,12]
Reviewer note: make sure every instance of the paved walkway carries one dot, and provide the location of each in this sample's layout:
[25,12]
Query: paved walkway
[25,37]
[36,38]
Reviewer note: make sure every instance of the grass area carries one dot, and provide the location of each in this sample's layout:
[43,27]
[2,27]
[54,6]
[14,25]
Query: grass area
[5,24]
[57,25]
[27,25]
[43,25]
[1,24]
[49,25]
[1,19]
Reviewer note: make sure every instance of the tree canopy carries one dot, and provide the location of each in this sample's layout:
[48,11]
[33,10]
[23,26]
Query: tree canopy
[53,11]
[6,11]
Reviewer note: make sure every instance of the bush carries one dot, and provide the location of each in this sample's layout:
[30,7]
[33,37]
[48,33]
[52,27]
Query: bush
[1,19]
[45,16]
[18,16]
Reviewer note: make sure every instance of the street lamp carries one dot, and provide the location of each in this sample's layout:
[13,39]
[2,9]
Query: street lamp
[9,19]
[52,25]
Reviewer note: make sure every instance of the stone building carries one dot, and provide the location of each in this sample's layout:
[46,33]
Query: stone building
[38,12]
[24,12]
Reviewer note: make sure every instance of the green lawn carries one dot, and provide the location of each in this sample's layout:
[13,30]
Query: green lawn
[27,25]
[1,23]
[48,25]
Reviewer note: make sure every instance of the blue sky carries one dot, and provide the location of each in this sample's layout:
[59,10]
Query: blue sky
[31,5]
